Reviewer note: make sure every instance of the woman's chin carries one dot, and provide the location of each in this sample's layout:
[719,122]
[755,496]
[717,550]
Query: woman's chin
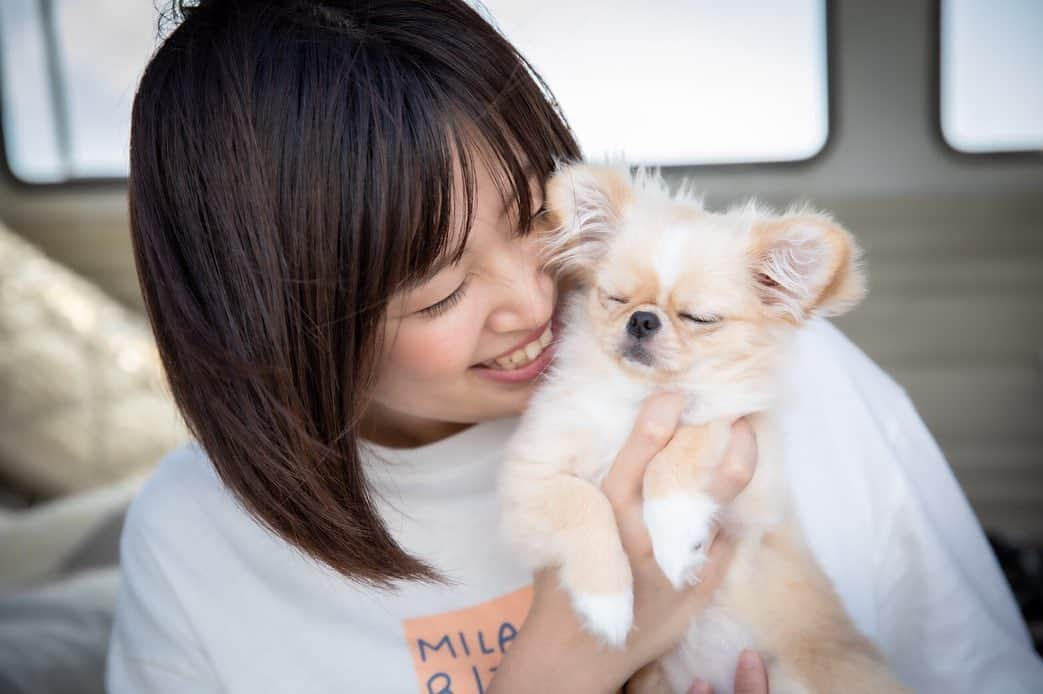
[507,401]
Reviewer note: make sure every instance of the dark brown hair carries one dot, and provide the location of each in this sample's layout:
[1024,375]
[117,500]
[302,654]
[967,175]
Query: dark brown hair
[291,166]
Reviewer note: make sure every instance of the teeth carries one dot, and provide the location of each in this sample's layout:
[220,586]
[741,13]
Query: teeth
[524,355]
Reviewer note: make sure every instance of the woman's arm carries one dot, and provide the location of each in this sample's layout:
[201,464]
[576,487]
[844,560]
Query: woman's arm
[936,600]
[947,616]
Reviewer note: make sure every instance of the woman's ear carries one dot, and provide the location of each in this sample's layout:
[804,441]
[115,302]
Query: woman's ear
[585,204]
[805,265]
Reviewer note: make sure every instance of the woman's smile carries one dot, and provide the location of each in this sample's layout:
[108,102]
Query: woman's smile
[523,362]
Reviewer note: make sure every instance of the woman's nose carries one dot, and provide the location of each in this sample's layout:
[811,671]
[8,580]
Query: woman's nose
[527,300]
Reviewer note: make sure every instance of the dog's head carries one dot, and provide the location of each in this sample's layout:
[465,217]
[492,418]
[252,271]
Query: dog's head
[674,290]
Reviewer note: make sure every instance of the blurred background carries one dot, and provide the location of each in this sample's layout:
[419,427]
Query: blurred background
[919,123]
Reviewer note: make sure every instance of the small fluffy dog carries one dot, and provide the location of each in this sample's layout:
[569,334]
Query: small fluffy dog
[670,296]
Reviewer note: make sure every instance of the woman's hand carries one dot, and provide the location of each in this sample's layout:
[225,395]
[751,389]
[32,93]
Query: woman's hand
[552,651]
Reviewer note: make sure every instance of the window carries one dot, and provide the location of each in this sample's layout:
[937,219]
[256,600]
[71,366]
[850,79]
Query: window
[991,75]
[676,82]
[70,68]
[663,83]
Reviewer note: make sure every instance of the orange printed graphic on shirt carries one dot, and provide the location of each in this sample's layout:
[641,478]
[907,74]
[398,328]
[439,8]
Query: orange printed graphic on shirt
[457,652]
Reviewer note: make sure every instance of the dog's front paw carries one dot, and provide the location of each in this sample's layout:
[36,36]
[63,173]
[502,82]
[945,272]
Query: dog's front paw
[608,616]
[679,527]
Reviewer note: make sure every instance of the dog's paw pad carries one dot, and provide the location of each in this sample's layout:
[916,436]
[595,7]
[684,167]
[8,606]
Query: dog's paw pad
[608,615]
[679,527]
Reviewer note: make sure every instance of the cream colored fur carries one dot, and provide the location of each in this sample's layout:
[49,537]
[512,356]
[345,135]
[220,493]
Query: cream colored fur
[728,290]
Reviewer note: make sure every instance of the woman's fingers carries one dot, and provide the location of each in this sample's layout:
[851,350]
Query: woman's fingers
[655,425]
[653,430]
[738,465]
[751,677]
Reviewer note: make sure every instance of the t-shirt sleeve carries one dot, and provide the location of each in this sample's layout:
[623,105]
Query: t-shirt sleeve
[153,647]
[946,616]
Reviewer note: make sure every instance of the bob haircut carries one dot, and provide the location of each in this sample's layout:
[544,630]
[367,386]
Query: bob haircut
[291,167]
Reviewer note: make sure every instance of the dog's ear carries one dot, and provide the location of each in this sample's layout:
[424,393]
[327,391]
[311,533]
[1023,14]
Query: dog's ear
[805,265]
[585,204]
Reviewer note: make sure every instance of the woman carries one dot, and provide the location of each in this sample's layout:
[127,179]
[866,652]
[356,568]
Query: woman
[329,206]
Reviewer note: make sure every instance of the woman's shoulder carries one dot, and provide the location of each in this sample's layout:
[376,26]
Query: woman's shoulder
[855,446]
[832,389]
[182,479]
[823,356]
[182,503]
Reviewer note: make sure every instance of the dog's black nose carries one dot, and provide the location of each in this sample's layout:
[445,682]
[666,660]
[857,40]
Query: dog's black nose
[643,324]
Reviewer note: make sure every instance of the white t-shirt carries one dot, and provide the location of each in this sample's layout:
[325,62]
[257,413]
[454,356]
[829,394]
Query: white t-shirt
[211,601]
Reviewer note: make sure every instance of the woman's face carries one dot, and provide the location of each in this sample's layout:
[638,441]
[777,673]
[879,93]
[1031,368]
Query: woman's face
[465,345]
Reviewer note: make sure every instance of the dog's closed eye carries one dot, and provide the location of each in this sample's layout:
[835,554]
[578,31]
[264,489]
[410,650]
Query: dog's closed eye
[612,298]
[700,318]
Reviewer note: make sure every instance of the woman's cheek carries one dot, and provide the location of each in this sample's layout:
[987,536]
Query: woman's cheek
[439,349]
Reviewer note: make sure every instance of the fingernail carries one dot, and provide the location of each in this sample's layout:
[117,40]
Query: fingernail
[748,660]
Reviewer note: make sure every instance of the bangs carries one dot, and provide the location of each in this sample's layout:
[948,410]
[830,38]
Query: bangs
[513,126]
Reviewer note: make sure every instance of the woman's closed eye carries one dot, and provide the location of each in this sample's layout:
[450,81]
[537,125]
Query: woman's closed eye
[540,212]
[440,307]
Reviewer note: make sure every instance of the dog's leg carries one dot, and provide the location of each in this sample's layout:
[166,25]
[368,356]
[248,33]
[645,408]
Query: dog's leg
[564,520]
[678,512]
